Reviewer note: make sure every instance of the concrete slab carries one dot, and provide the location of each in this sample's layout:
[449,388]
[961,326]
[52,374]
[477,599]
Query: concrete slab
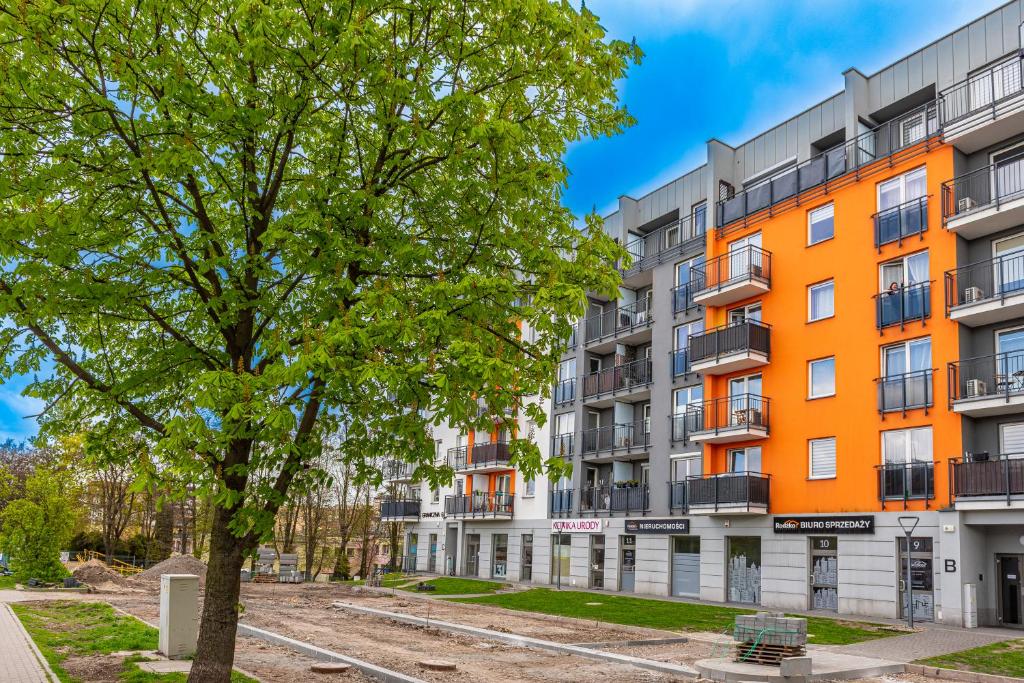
[825,665]
[166,666]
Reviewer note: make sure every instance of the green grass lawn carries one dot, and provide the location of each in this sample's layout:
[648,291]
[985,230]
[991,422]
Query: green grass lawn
[7,583]
[64,628]
[662,614]
[450,585]
[1002,659]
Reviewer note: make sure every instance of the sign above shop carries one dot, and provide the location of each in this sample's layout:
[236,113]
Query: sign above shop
[430,514]
[850,524]
[576,526]
[657,526]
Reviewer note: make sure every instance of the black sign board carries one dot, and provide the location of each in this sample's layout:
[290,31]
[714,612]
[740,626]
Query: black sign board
[922,544]
[850,524]
[658,526]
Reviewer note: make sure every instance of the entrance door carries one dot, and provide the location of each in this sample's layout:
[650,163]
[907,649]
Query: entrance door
[1009,567]
[686,565]
[499,556]
[451,544]
[472,554]
[597,560]
[922,578]
[824,573]
[432,558]
[561,550]
[627,563]
[744,570]
[526,558]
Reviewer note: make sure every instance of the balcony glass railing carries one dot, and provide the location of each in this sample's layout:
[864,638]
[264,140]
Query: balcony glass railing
[682,298]
[479,504]
[991,186]
[989,280]
[905,482]
[396,469]
[686,423]
[742,411]
[998,375]
[739,489]
[562,502]
[903,304]
[616,437]
[725,340]
[618,320]
[981,475]
[646,251]
[562,445]
[615,498]
[680,362]
[564,391]
[981,91]
[628,376]
[907,391]
[744,264]
[900,222]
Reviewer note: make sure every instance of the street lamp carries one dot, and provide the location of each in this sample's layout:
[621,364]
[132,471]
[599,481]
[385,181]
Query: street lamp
[908,523]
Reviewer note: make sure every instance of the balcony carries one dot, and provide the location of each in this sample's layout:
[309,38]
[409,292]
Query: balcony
[980,482]
[563,445]
[729,348]
[988,385]
[901,222]
[904,482]
[986,200]
[561,503]
[682,299]
[479,506]
[743,417]
[628,378]
[564,392]
[731,277]
[616,439]
[399,509]
[733,493]
[398,471]
[482,458]
[895,140]
[664,244]
[985,108]
[902,305]
[986,292]
[629,323]
[607,500]
[907,391]
[685,424]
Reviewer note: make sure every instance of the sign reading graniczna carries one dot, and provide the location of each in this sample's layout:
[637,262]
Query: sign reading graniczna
[850,524]
[575,526]
[657,526]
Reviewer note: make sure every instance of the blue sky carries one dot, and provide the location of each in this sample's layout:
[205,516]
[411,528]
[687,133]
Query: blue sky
[729,69]
[714,68]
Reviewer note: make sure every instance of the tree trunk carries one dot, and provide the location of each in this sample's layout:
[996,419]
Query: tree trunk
[215,653]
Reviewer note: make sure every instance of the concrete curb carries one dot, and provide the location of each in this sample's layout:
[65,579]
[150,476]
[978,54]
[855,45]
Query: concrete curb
[957,675]
[633,643]
[524,641]
[32,644]
[325,655]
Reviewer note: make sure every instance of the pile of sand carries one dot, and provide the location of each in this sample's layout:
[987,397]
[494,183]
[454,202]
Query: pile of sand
[96,574]
[176,564]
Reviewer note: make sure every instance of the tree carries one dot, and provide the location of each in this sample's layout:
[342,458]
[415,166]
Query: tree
[111,459]
[37,527]
[240,223]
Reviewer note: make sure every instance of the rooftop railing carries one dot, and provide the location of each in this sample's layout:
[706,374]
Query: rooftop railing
[982,91]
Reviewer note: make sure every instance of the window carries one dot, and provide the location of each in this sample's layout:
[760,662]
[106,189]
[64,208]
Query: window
[530,488]
[912,356]
[435,496]
[822,378]
[438,452]
[906,375]
[699,219]
[821,224]
[909,270]
[901,189]
[681,400]
[684,467]
[904,446]
[745,459]
[749,312]
[821,301]
[822,458]
[1011,439]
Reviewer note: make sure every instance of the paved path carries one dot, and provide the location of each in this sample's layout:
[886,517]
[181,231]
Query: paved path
[19,659]
[932,640]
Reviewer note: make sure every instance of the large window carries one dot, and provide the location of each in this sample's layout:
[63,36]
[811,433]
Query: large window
[684,422]
[901,189]
[699,219]
[821,378]
[905,446]
[822,455]
[821,224]
[821,301]
[745,459]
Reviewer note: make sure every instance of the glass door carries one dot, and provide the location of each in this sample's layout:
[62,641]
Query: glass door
[744,258]
[526,558]
[745,400]
[743,575]
[597,561]
[1009,265]
[906,373]
[1010,360]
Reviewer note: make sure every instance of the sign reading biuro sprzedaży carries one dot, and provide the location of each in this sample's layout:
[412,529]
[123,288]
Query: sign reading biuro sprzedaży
[849,524]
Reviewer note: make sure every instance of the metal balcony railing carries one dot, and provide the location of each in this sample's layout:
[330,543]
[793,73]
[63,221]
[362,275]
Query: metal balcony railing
[980,475]
[490,454]
[991,186]
[993,279]
[679,360]
[564,391]
[458,456]
[906,482]
[397,469]
[625,377]
[616,437]
[981,91]
[903,304]
[620,319]
[666,242]
[682,298]
[900,222]
[907,391]
[629,498]
[397,508]
[563,445]
[479,505]
[684,424]
[561,503]
[677,496]
[783,189]
[722,490]
[998,375]
[724,414]
[745,264]
[725,340]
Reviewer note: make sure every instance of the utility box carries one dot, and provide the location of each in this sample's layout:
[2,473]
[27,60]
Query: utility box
[970,606]
[179,615]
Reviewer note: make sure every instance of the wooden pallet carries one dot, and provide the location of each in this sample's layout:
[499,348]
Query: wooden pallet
[770,655]
[265,578]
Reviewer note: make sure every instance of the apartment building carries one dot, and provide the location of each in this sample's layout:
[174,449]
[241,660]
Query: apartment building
[818,341]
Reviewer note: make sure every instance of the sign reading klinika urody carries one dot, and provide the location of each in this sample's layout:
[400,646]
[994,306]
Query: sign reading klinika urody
[575,526]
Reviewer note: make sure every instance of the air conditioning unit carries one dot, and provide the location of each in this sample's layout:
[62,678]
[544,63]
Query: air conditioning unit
[975,388]
[973,294]
[965,204]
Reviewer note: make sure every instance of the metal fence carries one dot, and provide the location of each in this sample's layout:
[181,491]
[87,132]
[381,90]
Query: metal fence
[748,335]
[983,475]
[479,504]
[990,186]
[615,498]
[723,490]
[988,280]
[646,251]
[1001,374]
[982,90]
[615,437]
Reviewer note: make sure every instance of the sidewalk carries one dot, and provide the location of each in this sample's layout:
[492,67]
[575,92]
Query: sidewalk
[931,641]
[20,661]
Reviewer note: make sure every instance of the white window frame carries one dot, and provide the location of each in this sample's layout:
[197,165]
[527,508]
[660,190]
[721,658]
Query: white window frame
[689,398]
[810,458]
[810,223]
[905,345]
[908,440]
[810,375]
[810,299]
[693,217]
[529,488]
[902,181]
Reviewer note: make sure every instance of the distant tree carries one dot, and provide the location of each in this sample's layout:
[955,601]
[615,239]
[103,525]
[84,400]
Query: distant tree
[38,526]
[111,460]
